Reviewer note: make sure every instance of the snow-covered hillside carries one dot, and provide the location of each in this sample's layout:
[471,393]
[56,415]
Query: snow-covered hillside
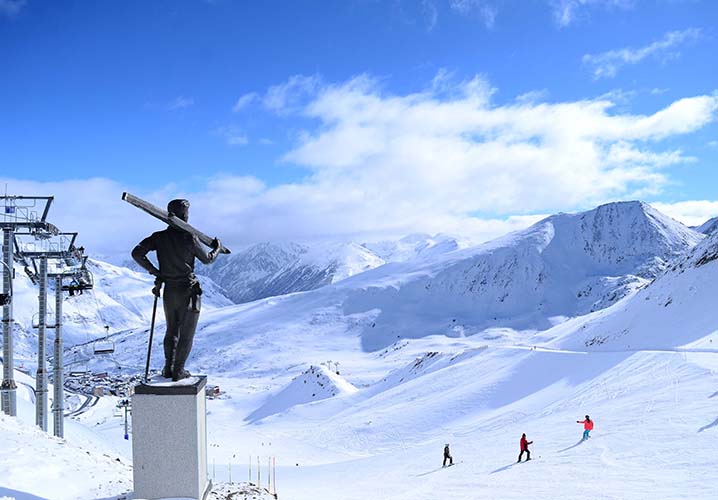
[271,269]
[644,368]
[708,227]
[563,266]
[442,370]
[314,384]
[416,245]
[121,300]
[34,465]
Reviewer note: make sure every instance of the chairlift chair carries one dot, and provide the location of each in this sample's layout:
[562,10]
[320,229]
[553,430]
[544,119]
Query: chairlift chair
[32,275]
[105,346]
[49,320]
[83,280]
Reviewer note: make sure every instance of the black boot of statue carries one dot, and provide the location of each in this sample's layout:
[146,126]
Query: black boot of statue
[179,374]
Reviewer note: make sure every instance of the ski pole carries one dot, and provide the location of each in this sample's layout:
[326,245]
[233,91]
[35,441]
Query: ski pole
[152,331]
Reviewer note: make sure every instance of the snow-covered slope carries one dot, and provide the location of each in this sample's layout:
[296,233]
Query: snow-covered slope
[650,388]
[416,245]
[314,384]
[563,266]
[34,465]
[672,313]
[708,227]
[270,269]
[650,385]
[121,299]
[37,466]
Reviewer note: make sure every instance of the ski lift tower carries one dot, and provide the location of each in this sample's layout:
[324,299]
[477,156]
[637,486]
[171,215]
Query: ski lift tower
[18,214]
[67,262]
[58,258]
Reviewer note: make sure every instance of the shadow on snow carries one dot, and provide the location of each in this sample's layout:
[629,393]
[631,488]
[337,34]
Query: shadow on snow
[580,441]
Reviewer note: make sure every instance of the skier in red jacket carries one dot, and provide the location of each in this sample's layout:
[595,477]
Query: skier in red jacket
[524,448]
[587,426]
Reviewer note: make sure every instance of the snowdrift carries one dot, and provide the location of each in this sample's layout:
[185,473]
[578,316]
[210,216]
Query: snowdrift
[315,384]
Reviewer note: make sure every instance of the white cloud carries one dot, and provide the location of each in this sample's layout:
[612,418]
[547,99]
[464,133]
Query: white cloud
[232,136]
[284,98]
[91,206]
[11,8]
[381,165]
[430,13]
[658,91]
[239,210]
[484,9]
[690,213]
[180,102]
[245,101]
[464,155]
[713,144]
[237,140]
[567,11]
[607,64]
[625,154]
[618,96]
[533,96]
[288,96]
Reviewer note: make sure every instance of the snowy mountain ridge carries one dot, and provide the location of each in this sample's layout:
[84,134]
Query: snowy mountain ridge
[563,266]
[708,227]
[271,269]
[644,367]
[417,245]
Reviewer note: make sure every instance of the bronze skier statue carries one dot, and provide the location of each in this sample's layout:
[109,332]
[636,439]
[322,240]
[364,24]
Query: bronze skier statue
[176,248]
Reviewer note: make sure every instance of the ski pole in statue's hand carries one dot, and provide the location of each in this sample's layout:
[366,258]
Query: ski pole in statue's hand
[152,330]
[173,221]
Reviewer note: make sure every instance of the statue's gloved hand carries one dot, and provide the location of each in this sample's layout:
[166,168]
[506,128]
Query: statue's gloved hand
[216,245]
[158,287]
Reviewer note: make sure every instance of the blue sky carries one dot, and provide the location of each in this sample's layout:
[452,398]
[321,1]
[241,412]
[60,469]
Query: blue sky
[309,118]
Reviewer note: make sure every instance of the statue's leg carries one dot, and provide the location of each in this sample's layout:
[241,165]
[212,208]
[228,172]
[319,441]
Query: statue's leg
[173,306]
[187,329]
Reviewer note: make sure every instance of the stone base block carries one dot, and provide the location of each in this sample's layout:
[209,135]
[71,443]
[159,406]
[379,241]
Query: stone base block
[169,439]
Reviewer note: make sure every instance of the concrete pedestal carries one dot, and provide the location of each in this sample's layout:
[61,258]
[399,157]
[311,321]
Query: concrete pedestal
[169,439]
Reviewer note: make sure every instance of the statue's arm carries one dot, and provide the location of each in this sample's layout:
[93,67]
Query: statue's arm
[139,254]
[206,257]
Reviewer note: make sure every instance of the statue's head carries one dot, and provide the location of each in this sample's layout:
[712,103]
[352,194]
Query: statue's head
[179,208]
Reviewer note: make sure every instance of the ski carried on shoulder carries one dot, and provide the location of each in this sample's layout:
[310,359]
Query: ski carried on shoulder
[172,220]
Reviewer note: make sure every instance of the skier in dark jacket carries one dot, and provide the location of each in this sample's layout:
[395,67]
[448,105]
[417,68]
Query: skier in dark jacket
[447,455]
[525,448]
